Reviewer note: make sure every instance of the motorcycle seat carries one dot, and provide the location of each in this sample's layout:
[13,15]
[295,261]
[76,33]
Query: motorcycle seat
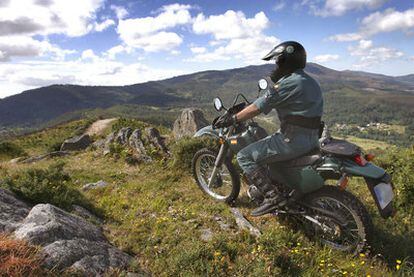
[341,148]
[304,160]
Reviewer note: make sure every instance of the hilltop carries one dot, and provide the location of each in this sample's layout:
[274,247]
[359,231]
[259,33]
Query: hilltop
[155,212]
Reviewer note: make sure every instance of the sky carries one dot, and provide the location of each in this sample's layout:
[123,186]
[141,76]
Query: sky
[122,42]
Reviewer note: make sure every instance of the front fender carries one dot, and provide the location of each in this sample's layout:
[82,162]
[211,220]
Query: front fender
[207,131]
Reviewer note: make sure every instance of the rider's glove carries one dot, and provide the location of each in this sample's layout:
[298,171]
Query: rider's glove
[225,120]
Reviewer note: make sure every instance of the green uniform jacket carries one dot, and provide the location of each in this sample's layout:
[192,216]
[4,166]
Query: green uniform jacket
[294,94]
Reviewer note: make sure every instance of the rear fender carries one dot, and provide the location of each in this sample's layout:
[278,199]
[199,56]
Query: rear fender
[207,131]
[368,171]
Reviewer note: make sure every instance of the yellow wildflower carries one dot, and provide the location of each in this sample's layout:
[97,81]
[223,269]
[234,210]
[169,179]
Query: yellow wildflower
[398,261]
[398,267]
[362,262]
[353,265]
[362,255]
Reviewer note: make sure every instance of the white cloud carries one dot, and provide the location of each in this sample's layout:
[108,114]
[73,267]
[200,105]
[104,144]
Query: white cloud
[89,71]
[369,55]
[198,50]
[340,7]
[388,21]
[230,25]
[99,27]
[346,37]
[235,37]
[380,22]
[325,58]
[148,33]
[30,17]
[280,5]
[120,11]
[89,54]
[21,46]
[112,52]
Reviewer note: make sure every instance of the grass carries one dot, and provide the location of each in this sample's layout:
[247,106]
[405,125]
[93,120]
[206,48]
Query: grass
[156,213]
[18,258]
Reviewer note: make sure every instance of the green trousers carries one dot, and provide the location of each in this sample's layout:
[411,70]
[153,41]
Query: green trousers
[293,142]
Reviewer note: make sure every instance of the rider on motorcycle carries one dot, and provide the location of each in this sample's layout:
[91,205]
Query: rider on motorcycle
[297,98]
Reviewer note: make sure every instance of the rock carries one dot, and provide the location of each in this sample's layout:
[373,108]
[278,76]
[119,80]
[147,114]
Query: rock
[189,122]
[100,143]
[109,140]
[45,156]
[99,184]
[92,257]
[123,135]
[86,214]
[154,137]
[223,225]
[206,235]
[244,224]
[46,223]
[136,143]
[17,160]
[76,143]
[12,211]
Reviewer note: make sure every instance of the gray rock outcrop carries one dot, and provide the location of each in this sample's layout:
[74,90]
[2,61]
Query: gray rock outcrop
[70,241]
[123,135]
[109,140]
[46,223]
[136,143]
[154,137]
[189,122]
[76,143]
[12,211]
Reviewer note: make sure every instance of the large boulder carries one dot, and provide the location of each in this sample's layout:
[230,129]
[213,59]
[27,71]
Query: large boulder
[46,223]
[69,241]
[154,137]
[188,123]
[76,143]
[12,211]
[89,256]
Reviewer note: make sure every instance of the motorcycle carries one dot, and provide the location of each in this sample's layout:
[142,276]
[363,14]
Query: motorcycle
[329,213]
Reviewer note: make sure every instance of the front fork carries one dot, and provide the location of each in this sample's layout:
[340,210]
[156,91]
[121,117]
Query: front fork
[221,155]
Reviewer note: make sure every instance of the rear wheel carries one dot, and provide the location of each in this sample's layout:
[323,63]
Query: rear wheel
[226,187]
[343,221]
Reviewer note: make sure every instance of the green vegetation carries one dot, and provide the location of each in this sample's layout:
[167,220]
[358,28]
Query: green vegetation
[9,150]
[51,139]
[51,185]
[156,213]
[184,150]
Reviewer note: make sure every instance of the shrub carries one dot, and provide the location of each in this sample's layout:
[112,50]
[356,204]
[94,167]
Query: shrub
[18,258]
[126,122]
[51,185]
[183,150]
[10,150]
[400,164]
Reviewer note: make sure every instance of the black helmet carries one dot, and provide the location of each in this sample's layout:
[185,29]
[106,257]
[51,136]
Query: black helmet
[290,55]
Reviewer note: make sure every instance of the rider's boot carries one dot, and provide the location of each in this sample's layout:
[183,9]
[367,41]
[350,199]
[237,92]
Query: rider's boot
[262,191]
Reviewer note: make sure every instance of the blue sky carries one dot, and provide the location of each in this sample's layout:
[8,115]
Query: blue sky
[120,42]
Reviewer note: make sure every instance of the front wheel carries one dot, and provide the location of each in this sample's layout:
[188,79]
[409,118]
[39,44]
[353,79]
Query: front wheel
[343,222]
[226,187]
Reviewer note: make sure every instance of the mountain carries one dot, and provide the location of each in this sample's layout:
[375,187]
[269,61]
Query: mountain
[39,106]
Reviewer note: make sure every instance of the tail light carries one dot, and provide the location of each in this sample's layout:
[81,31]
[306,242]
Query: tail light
[369,157]
[360,160]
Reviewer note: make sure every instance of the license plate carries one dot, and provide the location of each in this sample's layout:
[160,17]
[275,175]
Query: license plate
[384,194]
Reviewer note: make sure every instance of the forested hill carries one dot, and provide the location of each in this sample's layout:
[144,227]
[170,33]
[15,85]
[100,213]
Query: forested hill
[38,106]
